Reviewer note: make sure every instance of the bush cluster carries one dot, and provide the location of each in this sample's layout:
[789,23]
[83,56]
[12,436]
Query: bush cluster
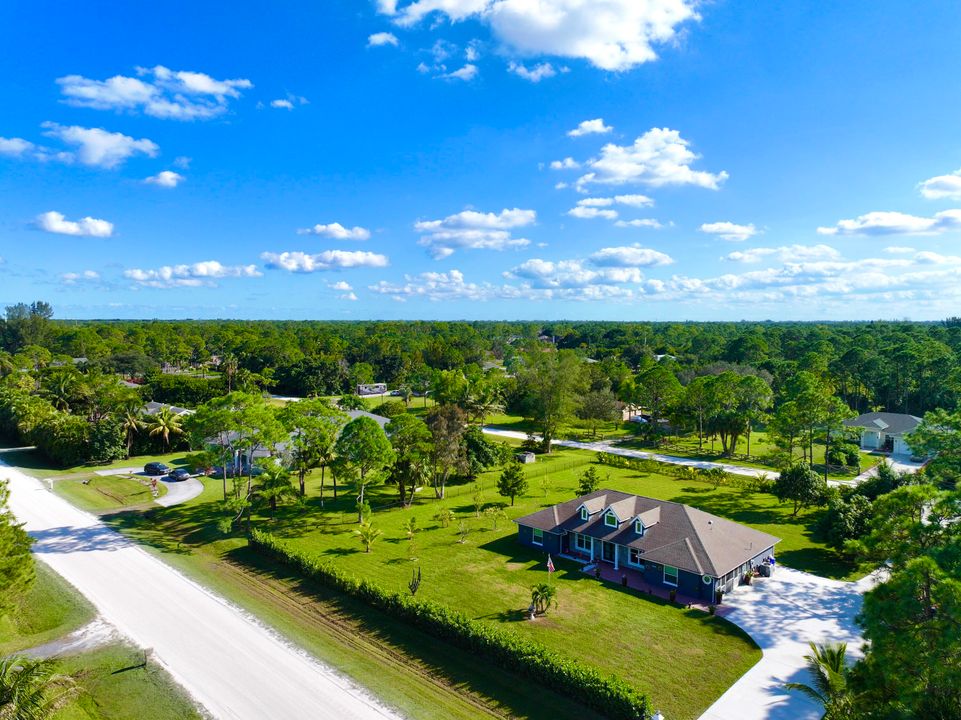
[714,476]
[611,696]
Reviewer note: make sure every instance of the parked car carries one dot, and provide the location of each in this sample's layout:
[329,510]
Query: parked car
[179,474]
[156,468]
[233,470]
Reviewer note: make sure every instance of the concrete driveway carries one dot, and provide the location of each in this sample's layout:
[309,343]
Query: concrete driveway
[782,614]
[179,491]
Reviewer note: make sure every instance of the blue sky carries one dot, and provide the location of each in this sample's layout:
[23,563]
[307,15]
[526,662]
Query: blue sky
[503,159]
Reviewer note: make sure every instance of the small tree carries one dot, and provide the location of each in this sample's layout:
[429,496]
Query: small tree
[414,583]
[478,499]
[799,484]
[589,481]
[512,481]
[367,534]
[31,689]
[495,515]
[827,665]
[543,595]
[445,517]
[463,530]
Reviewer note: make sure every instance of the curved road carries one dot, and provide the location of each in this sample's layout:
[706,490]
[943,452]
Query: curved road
[232,665]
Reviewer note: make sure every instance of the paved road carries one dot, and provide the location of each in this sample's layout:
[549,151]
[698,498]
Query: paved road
[783,613]
[226,660]
[180,491]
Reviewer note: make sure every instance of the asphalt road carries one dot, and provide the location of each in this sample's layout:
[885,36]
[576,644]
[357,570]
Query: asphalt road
[229,663]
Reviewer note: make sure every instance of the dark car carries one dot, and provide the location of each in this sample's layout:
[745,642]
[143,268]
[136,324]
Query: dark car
[179,474]
[156,468]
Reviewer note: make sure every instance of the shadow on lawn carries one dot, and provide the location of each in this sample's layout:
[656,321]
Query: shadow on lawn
[408,646]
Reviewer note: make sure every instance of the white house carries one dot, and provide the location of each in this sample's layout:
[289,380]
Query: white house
[884,431]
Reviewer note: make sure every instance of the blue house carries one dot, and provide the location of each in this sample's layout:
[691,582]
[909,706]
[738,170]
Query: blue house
[669,544]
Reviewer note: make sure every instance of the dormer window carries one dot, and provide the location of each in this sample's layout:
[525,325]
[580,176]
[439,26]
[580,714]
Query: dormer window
[638,527]
[610,520]
[584,514]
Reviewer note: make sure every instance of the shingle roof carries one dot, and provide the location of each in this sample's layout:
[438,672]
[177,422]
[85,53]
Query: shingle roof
[681,536]
[890,423]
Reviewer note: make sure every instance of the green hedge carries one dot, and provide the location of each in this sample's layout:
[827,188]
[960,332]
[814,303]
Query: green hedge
[713,476]
[611,696]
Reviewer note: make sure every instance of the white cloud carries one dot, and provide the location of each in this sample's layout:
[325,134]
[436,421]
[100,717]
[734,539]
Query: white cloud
[54,222]
[340,286]
[158,92]
[630,200]
[942,187]
[587,212]
[534,74]
[182,162]
[166,179]
[97,147]
[615,35]
[639,222]
[896,223]
[466,73]
[282,104]
[596,202]
[301,262]
[198,274]
[899,250]
[630,256]
[657,158]
[590,127]
[382,38]
[472,51]
[729,231]
[337,231]
[567,163]
[474,230]
[15,147]
[72,278]
[788,253]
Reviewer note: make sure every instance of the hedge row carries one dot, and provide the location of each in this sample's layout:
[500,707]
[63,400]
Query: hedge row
[714,476]
[611,696]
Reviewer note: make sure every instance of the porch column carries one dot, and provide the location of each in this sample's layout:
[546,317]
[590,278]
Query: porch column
[592,549]
[616,556]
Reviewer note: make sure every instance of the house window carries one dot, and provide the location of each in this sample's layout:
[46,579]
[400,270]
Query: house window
[670,575]
[584,514]
[610,520]
[635,557]
[638,527]
[582,542]
[537,536]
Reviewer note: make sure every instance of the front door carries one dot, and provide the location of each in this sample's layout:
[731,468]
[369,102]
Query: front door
[607,552]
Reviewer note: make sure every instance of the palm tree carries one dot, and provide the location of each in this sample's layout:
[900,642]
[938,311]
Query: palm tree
[543,595]
[367,534]
[274,485]
[229,366]
[828,667]
[165,424]
[31,690]
[131,420]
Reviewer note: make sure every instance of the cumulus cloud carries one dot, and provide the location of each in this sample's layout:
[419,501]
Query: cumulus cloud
[337,231]
[474,230]
[15,147]
[630,256]
[466,73]
[617,36]
[157,91]
[54,222]
[97,147]
[72,278]
[199,274]
[729,231]
[382,38]
[639,222]
[588,212]
[787,253]
[165,179]
[896,223]
[533,74]
[630,200]
[340,286]
[942,187]
[657,158]
[300,262]
[567,163]
[590,127]
[283,104]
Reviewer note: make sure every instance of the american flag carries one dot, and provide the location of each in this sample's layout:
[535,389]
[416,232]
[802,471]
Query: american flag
[550,564]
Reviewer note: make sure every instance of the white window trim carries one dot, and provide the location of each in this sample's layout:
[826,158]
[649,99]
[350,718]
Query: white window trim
[677,575]
[534,540]
[585,516]
[632,563]
[608,516]
[638,527]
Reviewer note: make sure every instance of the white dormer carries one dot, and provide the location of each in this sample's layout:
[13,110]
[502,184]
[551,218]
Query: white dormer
[610,519]
[585,515]
[646,519]
[638,526]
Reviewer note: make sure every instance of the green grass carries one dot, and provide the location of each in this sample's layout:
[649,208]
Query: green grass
[50,609]
[115,686]
[106,492]
[36,465]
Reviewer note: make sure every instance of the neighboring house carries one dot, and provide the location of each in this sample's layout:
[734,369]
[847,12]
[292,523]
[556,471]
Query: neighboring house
[372,389]
[885,431]
[152,408]
[671,545]
[380,419]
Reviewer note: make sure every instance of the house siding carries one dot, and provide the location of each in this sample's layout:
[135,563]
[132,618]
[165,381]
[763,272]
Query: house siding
[552,542]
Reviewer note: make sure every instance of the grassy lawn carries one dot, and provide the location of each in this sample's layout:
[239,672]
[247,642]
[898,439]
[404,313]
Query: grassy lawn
[36,465]
[116,686]
[106,492]
[51,608]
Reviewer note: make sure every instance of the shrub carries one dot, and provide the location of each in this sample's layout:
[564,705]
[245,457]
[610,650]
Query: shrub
[610,696]
[391,408]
